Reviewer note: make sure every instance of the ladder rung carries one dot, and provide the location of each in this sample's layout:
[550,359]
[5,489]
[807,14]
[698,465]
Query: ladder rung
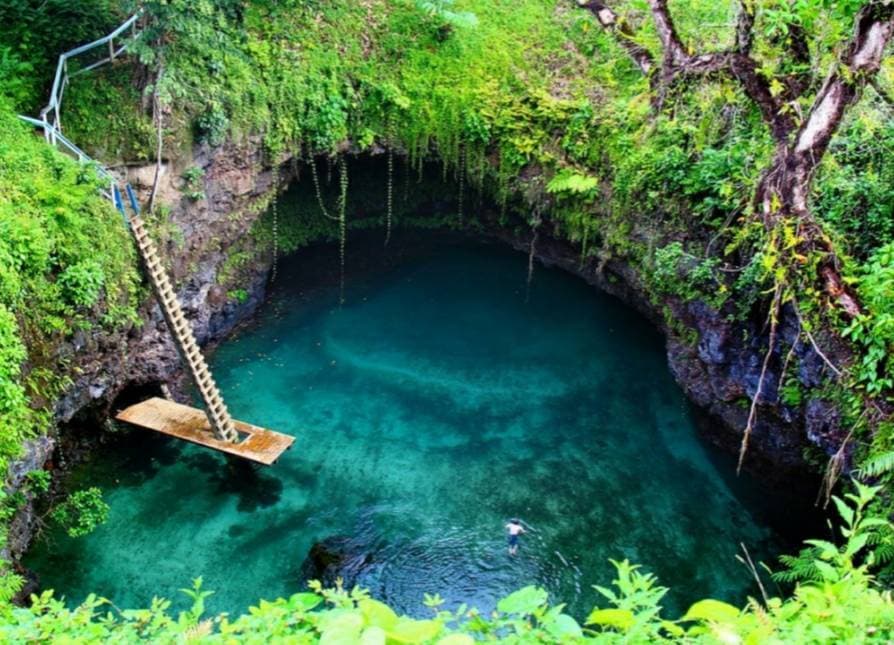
[217,412]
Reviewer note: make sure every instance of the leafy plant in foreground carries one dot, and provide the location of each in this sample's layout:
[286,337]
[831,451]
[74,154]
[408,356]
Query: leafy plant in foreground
[442,10]
[842,604]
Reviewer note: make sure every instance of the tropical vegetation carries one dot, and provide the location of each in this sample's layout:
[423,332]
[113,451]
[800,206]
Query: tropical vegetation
[734,153]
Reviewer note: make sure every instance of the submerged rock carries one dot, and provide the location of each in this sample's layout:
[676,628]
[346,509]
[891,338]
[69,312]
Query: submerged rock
[334,557]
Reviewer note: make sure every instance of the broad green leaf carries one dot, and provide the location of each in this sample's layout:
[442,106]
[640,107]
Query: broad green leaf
[845,511]
[305,601]
[341,628]
[826,570]
[672,628]
[564,627]
[377,613]
[524,601]
[407,630]
[711,610]
[857,543]
[622,619]
[828,549]
[373,636]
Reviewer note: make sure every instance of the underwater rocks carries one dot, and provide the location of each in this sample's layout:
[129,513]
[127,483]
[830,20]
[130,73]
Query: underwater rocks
[336,557]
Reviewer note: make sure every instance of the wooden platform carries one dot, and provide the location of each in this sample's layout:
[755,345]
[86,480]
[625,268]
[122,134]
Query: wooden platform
[181,421]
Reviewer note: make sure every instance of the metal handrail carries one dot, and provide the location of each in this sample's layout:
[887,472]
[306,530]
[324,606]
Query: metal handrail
[51,125]
[59,140]
[50,114]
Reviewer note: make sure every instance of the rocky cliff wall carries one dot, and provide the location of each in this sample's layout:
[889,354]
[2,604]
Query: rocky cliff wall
[717,362]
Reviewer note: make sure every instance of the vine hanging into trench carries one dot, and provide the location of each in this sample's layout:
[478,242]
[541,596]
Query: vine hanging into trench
[312,162]
[407,169]
[536,220]
[275,209]
[389,198]
[462,180]
[752,413]
[342,223]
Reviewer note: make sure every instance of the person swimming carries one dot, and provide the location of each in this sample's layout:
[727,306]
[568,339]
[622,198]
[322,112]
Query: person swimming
[515,529]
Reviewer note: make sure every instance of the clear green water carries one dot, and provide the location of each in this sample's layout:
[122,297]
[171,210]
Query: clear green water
[430,408]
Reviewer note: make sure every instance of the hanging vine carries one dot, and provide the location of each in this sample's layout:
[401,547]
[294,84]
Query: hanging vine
[389,199]
[312,162]
[407,169]
[342,223]
[535,233]
[462,181]
[275,208]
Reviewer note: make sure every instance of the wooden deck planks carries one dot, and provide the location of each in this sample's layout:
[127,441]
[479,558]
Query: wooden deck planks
[190,424]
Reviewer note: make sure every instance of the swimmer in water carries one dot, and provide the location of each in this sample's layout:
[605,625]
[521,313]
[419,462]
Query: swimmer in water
[515,529]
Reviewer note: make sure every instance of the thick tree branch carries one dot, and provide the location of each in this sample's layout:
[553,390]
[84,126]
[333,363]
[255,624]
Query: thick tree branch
[675,53]
[784,189]
[744,70]
[737,63]
[622,32]
[873,29]
[677,62]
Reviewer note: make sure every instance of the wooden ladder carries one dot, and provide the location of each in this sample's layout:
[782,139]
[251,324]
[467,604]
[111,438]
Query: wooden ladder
[221,422]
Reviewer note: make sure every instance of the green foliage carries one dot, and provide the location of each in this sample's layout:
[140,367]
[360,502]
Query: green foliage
[443,11]
[213,125]
[791,392]
[39,481]
[841,604]
[570,182]
[101,109]
[877,465]
[15,83]
[82,283]
[81,512]
[193,177]
[679,273]
[854,191]
[873,330]
[33,34]
[66,262]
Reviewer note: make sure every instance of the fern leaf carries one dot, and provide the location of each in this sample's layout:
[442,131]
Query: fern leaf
[877,465]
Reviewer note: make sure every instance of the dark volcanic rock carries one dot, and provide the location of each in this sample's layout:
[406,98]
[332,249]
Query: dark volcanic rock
[721,370]
[336,557]
[717,360]
[105,365]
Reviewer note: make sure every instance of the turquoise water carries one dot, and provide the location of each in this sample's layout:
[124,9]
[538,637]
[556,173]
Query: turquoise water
[435,404]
